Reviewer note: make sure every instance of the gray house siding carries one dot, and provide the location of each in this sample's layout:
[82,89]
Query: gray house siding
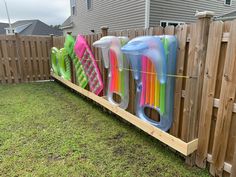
[116,14]
[184,10]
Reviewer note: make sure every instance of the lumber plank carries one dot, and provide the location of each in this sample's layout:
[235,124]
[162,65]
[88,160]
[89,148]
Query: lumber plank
[190,85]
[227,166]
[169,30]
[6,60]
[19,51]
[28,63]
[45,59]
[2,73]
[12,57]
[40,57]
[158,30]
[233,168]
[173,142]
[225,111]
[181,33]
[132,85]
[212,60]
[34,60]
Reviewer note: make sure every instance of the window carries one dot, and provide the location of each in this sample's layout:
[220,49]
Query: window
[89,4]
[170,23]
[73,10]
[228,2]
[73,7]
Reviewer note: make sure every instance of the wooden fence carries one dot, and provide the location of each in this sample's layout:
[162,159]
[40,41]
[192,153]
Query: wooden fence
[24,58]
[205,99]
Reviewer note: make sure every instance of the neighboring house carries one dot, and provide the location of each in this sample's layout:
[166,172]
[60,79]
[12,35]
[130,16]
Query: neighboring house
[227,16]
[33,27]
[67,25]
[2,28]
[87,15]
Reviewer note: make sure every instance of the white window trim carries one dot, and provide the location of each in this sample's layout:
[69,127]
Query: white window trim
[73,14]
[147,14]
[168,21]
[231,1]
[87,5]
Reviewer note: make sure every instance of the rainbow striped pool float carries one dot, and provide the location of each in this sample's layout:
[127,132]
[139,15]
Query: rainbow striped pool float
[153,60]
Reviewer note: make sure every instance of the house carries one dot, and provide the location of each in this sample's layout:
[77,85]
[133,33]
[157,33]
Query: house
[2,28]
[67,25]
[90,15]
[227,16]
[33,27]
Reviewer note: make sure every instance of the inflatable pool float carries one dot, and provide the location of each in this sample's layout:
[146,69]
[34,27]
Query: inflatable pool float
[81,78]
[55,60]
[64,64]
[86,57]
[118,78]
[152,58]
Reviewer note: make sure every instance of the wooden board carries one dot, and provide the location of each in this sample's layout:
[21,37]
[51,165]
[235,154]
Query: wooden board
[210,74]
[175,143]
[181,36]
[227,97]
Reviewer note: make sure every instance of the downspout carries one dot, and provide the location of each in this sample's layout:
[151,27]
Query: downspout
[147,13]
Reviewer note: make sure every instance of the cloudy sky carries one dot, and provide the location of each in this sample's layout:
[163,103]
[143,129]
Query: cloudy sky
[52,12]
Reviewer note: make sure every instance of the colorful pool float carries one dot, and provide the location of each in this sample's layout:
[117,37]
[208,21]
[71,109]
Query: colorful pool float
[88,61]
[64,64]
[55,60]
[60,63]
[152,58]
[81,78]
[118,77]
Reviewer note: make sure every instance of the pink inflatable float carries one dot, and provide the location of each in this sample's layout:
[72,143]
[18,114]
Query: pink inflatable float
[88,61]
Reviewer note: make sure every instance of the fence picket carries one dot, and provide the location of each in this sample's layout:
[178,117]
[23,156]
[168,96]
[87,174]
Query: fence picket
[227,97]
[181,33]
[212,60]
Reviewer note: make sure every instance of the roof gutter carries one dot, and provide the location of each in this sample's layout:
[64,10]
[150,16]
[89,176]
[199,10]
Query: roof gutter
[147,13]
[67,26]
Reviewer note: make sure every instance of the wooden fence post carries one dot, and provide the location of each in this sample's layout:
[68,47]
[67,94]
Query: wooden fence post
[104,30]
[52,42]
[196,65]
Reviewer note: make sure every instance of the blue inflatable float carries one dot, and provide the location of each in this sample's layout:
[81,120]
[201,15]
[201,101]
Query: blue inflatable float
[152,59]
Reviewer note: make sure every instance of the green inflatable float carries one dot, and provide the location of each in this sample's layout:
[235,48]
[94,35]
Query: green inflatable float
[81,78]
[55,60]
[60,63]
[64,64]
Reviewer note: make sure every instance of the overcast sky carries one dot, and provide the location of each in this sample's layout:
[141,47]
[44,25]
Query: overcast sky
[49,11]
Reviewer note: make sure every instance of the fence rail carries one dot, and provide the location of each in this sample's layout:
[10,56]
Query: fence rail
[205,103]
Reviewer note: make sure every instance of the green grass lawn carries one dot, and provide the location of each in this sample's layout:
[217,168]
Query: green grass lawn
[46,130]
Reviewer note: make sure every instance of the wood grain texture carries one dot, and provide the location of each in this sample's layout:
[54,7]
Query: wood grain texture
[227,97]
[212,60]
[181,33]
